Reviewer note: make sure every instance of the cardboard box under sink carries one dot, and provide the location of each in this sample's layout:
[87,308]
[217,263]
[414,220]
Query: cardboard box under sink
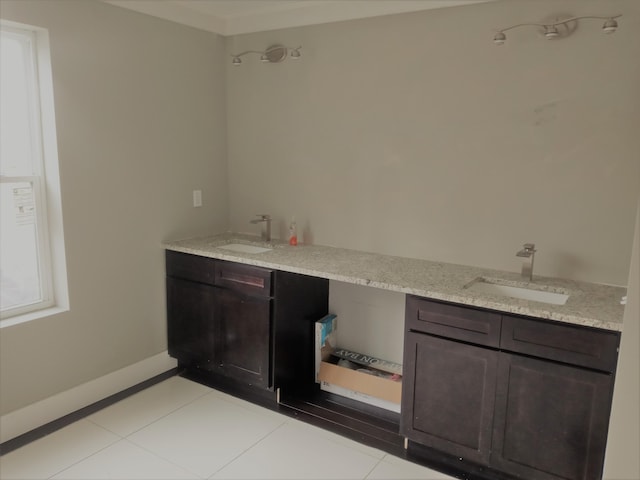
[374,390]
[379,387]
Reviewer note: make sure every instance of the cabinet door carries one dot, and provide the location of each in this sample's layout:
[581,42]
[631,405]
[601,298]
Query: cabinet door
[243,337]
[551,420]
[190,326]
[448,396]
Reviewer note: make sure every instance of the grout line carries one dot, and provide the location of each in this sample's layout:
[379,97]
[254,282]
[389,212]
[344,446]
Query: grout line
[88,456]
[182,467]
[337,439]
[373,468]
[157,419]
[247,449]
[55,425]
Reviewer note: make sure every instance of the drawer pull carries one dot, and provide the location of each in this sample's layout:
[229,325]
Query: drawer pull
[451,321]
[564,342]
[249,280]
[454,322]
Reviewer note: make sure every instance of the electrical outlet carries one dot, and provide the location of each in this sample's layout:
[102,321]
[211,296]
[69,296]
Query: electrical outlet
[197,198]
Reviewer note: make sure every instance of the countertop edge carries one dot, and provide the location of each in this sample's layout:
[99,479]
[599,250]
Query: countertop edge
[207,247]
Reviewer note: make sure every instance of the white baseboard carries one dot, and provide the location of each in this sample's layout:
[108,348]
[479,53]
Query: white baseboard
[40,413]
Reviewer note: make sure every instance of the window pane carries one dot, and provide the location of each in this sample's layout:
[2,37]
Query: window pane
[17,126]
[19,276]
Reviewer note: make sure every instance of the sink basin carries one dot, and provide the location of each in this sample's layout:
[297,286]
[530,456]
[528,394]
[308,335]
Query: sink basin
[244,248]
[483,285]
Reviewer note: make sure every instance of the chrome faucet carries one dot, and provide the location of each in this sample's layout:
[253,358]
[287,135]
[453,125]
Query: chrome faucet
[266,228]
[528,251]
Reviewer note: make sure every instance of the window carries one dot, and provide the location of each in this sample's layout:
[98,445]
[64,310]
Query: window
[29,183]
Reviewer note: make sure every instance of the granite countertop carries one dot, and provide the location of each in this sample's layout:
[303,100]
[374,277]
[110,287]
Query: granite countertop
[589,304]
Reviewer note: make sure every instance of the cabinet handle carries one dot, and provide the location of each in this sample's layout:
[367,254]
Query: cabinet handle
[243,279]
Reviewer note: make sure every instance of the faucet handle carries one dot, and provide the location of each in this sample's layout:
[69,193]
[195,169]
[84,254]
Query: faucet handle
[529,247]
[264,216]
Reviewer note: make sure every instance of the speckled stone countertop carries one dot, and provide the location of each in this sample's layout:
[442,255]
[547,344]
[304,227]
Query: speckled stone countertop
[589,304]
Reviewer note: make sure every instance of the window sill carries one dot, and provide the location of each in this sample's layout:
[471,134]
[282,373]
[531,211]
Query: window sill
[27,317]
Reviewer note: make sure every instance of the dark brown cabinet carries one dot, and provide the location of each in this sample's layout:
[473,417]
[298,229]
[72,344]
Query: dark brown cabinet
[249,324]
[452,392]
[242,336]
[498,395]
[190,302]
[522,396]
[551,419]
[190,326]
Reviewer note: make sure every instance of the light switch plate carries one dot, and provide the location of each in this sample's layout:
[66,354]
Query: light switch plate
[197,198]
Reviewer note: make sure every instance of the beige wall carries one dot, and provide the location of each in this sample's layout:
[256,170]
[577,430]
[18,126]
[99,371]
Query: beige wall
[622,461]
[141,123]
[415,135]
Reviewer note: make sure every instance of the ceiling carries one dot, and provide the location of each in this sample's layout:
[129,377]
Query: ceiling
[233,17]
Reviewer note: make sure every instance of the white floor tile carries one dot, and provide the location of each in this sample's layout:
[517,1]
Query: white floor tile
[394,468]
[49,455]
[344,441]
[180,429]
[206,434]
[126,461]
[296,452]
[249,406]
[147,406]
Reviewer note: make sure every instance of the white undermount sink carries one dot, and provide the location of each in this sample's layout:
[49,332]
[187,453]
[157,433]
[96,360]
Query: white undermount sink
[244,248]
[483,285]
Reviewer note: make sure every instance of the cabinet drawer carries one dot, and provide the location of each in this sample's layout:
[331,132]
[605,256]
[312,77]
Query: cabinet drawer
[190,267]
[468,325]
[580,346]
[244,278]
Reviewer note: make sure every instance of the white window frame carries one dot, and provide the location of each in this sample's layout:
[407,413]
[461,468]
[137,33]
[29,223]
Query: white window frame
[46,185]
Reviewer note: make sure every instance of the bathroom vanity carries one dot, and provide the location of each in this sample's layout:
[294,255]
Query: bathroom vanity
[241,322]
[517,394]
[493,386]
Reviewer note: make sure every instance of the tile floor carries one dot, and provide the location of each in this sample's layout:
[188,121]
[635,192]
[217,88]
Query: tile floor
[179,429]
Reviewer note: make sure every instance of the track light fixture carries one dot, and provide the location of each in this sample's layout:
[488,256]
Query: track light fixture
[273,54]
[560,28]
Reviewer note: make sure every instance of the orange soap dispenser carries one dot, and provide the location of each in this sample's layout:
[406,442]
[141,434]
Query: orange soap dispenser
[293,234]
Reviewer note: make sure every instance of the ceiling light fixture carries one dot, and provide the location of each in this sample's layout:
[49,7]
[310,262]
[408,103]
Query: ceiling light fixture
[551,31]
[273,54]
[567,27]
